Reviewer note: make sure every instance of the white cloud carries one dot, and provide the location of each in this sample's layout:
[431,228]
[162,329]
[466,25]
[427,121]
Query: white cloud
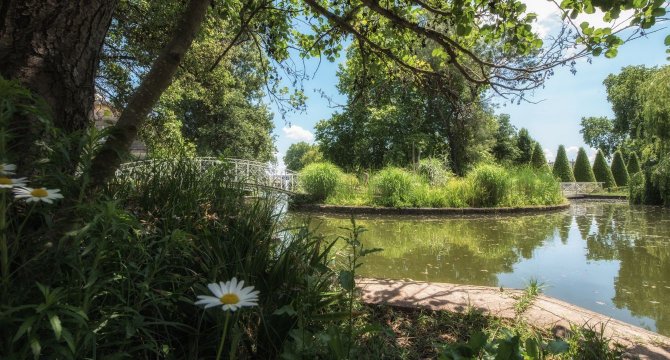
[572,149]
[295,132]
[549,154]
[549,17]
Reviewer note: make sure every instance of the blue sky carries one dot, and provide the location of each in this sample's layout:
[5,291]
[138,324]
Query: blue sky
[553,119]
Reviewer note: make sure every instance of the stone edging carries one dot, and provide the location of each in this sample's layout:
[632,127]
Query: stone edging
[545,312]
[423,211]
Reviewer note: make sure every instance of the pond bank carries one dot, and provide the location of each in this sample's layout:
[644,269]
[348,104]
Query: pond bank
[335,209]
[545,312]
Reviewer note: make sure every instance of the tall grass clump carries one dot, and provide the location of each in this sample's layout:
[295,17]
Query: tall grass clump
[434,171]
[533,187]
[393,187]
[490,184]
[320,180]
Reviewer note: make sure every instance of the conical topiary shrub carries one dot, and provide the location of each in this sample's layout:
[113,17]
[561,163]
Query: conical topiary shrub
[537,159]
[562,169]
[602,171]
[619,170]
[582,169]
[633,165]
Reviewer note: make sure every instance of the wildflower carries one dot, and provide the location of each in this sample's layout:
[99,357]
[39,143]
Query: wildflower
[7,169]
[38,194]
[232,295]
[8,183]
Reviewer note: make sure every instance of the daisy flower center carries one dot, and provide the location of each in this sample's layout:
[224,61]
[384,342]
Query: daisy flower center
[229,299]
[5,181]
[39,193]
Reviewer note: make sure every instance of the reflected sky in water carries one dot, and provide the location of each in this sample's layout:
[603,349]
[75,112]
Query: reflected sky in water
[608,257]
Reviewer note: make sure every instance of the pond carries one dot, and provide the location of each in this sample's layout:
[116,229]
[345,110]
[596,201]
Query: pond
[608,257]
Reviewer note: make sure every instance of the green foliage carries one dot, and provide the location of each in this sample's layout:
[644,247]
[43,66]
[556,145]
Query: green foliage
[320,180]
[562,169]
[506,344]
[434,171]
[393,187]
[164,139]
[491,184]
[602,171]
[538,160]
[619,170]
[633,165]
[636,188]
[598,133]
[505,149]
[532,187]
[301,154]
[591,343]
[582,169]
[655,110]
[660,177]
[525,145]
[219,108]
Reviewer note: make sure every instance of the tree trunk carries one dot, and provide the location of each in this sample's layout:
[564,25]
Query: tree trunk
[147,94]
[53,48]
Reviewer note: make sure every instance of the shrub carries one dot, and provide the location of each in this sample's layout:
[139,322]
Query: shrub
[532,187]
[636,187]
[434,171]
[392,186]
[583,171]
[562,169]
[602,172]
[619,170]
[490,185]
[320,180]
[538,160]
[633,165]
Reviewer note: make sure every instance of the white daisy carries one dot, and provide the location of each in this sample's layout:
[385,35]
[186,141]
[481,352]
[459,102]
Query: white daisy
[38,194]
[7,169]
[232,295]
[8,183]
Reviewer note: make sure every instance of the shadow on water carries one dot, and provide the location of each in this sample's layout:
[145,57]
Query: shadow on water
[605,256]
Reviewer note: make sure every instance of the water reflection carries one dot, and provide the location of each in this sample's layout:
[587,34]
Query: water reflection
[609,257]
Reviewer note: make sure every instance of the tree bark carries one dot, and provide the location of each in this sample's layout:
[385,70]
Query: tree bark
[53,49]
[147,94]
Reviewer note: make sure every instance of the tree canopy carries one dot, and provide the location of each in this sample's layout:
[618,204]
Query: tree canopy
[488,44]
[562,168]
[301,154]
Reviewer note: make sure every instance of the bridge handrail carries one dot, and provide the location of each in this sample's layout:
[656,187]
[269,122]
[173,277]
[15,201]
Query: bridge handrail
[253,173]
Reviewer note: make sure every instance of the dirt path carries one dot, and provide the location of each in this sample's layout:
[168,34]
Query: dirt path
[546,312]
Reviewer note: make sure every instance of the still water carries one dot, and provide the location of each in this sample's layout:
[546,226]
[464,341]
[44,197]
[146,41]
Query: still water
[605,256]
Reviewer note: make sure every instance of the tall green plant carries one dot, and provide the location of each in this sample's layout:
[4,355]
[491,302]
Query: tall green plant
[320,180]
[619,170]
[582,170]
[633,165]
[537,159]
[602,171]
[491,185]
[392,186]
[562,168]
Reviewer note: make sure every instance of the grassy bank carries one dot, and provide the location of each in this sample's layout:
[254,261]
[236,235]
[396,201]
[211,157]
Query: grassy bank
[484,186]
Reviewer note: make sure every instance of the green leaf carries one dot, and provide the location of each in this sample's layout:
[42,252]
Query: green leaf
[597,51]
[463,30]
[558,347]
[35,347]
[611,53]
[347,280]
[532,348]
[27,324]
[667,40]
[658,12]
[286,309]
[54,320]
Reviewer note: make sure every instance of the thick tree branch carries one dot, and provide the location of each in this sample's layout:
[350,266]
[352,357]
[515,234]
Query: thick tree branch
[142,101]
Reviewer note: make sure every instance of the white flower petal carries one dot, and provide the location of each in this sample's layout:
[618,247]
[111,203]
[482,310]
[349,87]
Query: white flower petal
[215,289]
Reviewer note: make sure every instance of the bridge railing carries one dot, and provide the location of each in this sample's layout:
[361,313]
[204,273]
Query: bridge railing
[249,172]
[576,188]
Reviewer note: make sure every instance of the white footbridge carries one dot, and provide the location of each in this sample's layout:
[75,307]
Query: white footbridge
[250,173]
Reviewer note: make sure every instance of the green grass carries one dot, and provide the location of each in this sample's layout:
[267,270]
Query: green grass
[485,186]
